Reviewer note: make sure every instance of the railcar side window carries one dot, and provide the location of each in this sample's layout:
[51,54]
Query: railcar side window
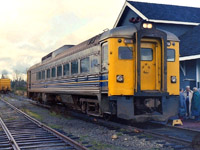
[85,65]
[94,64]
[59,71]
[170,55]
[66,69]
[48,73]
[105,56]
[74,67]
[146,54]
[53,72]
[125,53]
[43,74]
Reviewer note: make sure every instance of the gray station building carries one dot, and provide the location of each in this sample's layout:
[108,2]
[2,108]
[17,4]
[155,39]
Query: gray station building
[180,20]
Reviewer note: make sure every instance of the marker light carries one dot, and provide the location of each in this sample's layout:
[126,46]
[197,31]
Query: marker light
[168,43]
[120,78]
[147,25]
[128,41]
[173,79]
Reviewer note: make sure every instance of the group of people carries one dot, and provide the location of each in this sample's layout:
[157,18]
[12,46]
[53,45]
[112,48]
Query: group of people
[189,107]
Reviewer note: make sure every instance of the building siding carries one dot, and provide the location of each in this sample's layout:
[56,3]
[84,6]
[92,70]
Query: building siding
[177,29]
[128,14]
[190,76]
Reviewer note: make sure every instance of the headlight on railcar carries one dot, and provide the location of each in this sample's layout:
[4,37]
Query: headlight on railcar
[147,25]
[120,78]
[173,79]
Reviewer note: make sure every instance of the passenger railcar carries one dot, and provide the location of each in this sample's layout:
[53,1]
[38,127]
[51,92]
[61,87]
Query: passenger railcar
[131,72]
[5,85]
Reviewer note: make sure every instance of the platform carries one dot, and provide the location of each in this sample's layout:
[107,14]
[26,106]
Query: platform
[191,124]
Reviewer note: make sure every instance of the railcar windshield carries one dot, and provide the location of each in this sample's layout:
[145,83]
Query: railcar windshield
[125,53]
[146,54]
[170,55]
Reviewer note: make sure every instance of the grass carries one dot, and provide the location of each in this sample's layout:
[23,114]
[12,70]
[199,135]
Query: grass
[54,126]
[119,134]
[6,98]
[11,118]
[100,146]
[97,145]
[58,115]
[82,138]
[32,114]
[54,114]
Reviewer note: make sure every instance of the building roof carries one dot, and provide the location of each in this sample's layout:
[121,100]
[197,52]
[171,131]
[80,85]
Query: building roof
[163,13]
[190,43]
[168,12]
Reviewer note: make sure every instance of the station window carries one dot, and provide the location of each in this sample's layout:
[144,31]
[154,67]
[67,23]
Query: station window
[59,71]
[53,72]
[125,53]
[85,65]
[48,73]
[105,56]
[37,75]
[40,75]
[74,65]
[146,54]
[43,74]
[66,69]
[170,55]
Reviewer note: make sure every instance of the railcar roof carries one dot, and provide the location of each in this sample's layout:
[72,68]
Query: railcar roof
[123,31]
[128,31]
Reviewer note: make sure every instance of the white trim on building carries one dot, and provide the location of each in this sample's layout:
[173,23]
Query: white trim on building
[174,22]
[137,11]
[189,57]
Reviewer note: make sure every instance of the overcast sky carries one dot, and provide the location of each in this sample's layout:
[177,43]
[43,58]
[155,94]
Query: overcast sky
[30,29]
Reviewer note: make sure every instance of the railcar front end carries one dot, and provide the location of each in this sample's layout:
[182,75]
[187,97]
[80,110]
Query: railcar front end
[143,73]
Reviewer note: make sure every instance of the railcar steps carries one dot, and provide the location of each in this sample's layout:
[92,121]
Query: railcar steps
[20,131]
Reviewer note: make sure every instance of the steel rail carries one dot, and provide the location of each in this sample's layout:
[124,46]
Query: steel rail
[9,135]
[61,136]
[168,138]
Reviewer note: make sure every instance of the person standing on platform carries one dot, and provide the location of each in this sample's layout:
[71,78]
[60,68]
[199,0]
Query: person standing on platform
[188,96]
[182,105]
[195,106]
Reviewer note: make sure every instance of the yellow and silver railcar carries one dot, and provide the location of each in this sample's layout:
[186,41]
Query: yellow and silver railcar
[131,72]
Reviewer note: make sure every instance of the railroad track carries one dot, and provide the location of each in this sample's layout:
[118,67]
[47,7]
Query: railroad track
[20,131]
[178,137]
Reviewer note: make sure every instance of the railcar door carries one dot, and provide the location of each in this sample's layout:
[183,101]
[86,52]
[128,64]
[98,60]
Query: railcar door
[150,66]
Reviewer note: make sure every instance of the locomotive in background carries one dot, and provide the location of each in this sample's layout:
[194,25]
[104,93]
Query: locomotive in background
[131,72]
[5,85]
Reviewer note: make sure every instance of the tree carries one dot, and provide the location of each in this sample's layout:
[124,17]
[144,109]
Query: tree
[4,74]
